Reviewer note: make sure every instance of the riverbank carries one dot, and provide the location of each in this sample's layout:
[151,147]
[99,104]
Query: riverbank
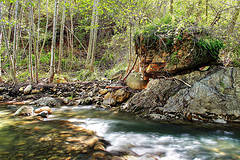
[200,96]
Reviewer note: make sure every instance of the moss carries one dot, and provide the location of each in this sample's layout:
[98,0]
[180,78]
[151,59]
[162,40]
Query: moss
[174,58]
[236,62]
[161,36]
[152,35]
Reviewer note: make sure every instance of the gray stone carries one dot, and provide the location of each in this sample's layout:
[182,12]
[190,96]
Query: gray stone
[47,101]
[65,100]
[2,89]
[24,111]
[215,92]
[28,89]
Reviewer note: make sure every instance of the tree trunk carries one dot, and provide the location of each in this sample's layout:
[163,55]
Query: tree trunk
[171,6]
[234,18]
[207,10]
[0,39]
[71,37]
[5,36]
[53,47]
[61,38]
[15,40]
[37,56]
[0,52]
[9,19]
[46,29]
[93,37]
[130,46]
[30,67]
[13,76]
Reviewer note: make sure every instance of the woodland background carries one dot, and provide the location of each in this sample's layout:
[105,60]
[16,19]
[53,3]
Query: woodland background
[92,39]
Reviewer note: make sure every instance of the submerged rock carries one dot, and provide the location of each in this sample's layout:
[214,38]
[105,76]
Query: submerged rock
[24,111]
[43,114]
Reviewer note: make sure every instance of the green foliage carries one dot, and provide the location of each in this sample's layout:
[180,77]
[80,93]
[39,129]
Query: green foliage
[106,58]
[118,67]
[174,58]
[45,58]
[236,57]
[86,74]
[22,77]
[211,45]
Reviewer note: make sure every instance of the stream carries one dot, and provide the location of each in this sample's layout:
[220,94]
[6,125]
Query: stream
[144,140]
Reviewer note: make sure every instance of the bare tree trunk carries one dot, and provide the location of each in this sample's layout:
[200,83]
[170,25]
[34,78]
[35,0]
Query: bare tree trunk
[9,19]
[234,18]
[11,61]
[93,37]
[0,53]
[53,48]
[37,56]
[20,29]
[15,39]
[130,46]
[13,76]
[71,36]
[0,39]
[94,40]
[207,4]
[68,45]
[30,67]
[199,11]
[171,6]
[46,28]
[61,38]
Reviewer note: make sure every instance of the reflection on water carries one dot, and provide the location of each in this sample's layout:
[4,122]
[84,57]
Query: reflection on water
[145,140]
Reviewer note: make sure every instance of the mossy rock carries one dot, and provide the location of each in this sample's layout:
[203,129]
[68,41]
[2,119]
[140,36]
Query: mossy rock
[180,49]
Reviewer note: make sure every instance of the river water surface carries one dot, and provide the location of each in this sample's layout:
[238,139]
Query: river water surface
[143,139]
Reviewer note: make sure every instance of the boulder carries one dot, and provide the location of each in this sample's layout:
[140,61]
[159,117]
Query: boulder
[84,101]
[28,89]
[121,95]
[213,95]
[109,100]
[103,91]
[41,109]
[135,81]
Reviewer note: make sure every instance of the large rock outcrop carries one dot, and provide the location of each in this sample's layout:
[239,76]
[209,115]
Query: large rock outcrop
[166,50]
[214,96]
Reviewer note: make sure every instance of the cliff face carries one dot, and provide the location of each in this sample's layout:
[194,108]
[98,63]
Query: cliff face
[213,96]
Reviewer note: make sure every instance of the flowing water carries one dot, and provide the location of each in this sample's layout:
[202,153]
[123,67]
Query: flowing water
[143,139]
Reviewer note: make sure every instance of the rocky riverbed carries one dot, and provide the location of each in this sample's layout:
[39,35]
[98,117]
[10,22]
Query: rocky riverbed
[209,96]
[205,96]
